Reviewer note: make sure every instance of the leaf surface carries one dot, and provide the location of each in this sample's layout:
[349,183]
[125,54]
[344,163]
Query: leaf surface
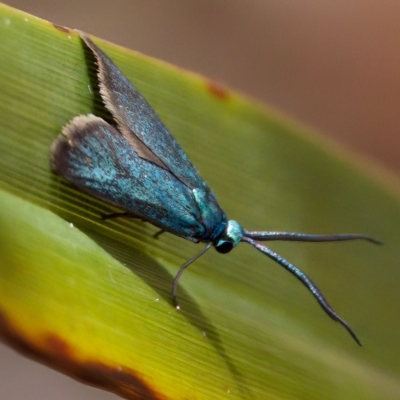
[91,298]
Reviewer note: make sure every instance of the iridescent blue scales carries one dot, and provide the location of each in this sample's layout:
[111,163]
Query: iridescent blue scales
[94,156]
[137,166]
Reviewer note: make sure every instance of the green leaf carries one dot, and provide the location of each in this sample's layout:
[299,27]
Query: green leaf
[91,298]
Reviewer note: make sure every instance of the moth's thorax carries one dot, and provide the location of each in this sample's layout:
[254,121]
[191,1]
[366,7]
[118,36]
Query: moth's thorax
[213,218]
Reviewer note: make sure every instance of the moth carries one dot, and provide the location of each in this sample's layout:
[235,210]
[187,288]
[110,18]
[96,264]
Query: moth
[136,165]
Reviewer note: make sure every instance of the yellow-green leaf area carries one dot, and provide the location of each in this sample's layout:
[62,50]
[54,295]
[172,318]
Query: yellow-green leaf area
[103,328]
[92,298]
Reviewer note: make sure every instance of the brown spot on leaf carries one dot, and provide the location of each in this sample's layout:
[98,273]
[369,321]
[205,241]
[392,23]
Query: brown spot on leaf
[217,90]
[57,346]
[58,354]
[62,28]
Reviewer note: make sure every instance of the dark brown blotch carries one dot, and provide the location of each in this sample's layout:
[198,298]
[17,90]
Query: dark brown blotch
[59,354]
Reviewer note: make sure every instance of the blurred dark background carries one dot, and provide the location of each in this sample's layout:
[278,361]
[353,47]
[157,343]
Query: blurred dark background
[334,65]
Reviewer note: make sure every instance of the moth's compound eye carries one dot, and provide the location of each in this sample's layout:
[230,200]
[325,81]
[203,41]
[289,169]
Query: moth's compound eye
[224,246]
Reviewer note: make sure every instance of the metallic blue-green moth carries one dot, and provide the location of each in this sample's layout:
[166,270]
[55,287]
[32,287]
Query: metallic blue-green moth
[136,165]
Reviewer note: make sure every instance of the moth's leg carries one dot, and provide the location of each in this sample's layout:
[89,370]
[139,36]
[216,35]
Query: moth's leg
[118,215]
[126,214]
[158,233]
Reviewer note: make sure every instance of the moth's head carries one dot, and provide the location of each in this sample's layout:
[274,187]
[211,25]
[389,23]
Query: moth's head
[230,238]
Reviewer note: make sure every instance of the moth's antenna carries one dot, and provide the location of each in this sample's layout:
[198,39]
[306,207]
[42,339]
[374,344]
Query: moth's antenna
[307,237]
[180,272]
[303,278]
